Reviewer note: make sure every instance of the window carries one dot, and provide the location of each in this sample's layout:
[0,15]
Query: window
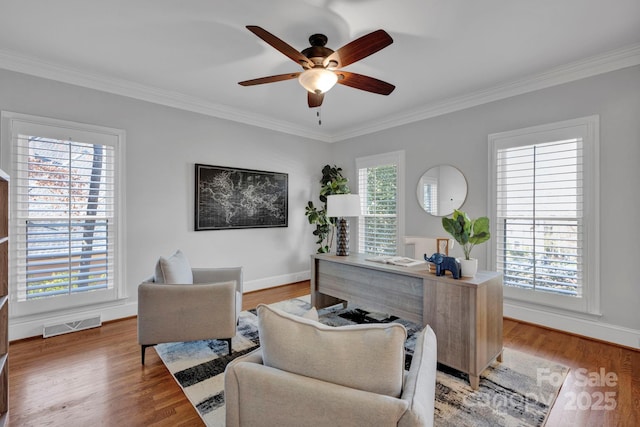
[381,190]
[545,213]
[65,221]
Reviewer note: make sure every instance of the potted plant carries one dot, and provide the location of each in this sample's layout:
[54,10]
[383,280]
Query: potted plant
[468,233]
[332,183]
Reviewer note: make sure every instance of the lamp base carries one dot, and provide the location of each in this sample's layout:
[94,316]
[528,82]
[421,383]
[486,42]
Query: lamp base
[342,245]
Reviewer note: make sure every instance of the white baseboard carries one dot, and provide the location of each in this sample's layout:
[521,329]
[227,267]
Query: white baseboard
[586,327]
[270,282]
[20,328]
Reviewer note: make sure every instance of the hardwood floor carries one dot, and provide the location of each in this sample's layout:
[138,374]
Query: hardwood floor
[94,377]
[603,385]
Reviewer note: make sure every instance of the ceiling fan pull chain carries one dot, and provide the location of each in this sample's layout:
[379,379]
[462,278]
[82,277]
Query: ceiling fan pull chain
[319,117]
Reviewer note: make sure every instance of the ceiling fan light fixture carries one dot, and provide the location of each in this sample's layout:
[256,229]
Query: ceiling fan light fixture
[317,80]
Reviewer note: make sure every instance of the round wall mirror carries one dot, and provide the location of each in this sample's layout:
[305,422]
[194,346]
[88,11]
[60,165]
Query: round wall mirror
[441,189]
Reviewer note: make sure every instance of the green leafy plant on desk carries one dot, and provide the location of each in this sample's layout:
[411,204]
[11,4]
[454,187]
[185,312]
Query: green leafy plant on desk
[468,233]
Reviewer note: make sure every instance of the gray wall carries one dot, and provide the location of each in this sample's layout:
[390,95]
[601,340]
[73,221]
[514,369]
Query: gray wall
[460,139]
[162,145]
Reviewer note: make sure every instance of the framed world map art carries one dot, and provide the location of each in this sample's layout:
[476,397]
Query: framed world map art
[228,198]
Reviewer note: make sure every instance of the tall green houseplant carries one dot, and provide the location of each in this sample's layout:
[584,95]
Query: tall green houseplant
[467,232]
[332,182]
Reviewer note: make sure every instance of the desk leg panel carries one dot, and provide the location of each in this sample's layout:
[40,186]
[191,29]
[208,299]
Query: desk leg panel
[489,323]
[318,299]
[391,293]
[447,312]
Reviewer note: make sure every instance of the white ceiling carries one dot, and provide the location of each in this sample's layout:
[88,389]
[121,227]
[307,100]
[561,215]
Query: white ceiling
[446,55]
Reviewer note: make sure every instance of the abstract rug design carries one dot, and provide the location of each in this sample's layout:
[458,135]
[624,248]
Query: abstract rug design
[512,393]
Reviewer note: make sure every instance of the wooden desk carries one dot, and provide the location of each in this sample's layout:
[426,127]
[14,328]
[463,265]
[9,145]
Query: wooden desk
[465,314]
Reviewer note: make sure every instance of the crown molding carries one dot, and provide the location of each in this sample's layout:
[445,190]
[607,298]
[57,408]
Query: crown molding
[610,61]
[27,65]
[599,64]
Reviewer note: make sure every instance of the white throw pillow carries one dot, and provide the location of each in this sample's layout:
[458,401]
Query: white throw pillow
[174,270]
[365,357]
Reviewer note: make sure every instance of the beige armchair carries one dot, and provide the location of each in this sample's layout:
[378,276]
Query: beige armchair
[260,395]
[206,307]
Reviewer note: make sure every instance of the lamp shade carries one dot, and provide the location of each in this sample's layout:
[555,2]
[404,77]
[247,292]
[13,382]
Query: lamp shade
[317,80]
[343,205]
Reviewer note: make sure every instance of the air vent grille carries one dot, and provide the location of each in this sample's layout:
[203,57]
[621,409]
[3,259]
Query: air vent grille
[72,326]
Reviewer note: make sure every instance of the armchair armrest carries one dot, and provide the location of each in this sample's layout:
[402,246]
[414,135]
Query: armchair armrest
[420,384]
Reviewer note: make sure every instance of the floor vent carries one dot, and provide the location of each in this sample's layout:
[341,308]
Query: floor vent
[73,326]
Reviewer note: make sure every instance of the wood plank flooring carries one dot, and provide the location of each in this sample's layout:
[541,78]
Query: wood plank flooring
[94,377]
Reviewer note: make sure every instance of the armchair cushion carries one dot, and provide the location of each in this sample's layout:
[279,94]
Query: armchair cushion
[365,357]
[174,269]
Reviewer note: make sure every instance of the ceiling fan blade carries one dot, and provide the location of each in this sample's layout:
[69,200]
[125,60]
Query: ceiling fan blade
[270,79]
[281,46]
[315,99]
[366,83]
[358,49]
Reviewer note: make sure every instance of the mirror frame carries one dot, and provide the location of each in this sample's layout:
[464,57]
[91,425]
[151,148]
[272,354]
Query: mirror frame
[458,197]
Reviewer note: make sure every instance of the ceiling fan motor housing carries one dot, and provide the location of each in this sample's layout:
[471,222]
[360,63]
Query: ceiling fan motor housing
[317,52]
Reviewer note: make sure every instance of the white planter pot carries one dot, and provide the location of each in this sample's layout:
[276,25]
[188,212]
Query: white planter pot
[469,267]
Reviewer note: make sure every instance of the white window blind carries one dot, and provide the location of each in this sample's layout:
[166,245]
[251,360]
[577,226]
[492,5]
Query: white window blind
[378,231]
[67,236]
[545,213]
[540,216]
[381,190]
[65,216]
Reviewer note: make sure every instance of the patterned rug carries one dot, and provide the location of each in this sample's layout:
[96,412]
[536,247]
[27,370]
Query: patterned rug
[516,392]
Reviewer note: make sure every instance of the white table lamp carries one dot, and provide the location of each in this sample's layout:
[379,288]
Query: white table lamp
[342,206]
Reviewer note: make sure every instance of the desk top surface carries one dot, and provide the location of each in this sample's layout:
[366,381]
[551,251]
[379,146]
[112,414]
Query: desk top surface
[422,270]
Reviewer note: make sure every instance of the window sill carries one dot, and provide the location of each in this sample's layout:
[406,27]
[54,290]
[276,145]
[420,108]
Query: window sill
[46,308]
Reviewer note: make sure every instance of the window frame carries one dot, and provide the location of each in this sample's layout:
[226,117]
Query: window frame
[586,128]
[397,158]
[17,123]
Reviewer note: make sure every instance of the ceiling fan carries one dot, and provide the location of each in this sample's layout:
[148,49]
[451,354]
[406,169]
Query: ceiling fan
[322,66]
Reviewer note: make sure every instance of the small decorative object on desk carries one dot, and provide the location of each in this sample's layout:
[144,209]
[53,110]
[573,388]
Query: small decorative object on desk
[444,263]
[442,244]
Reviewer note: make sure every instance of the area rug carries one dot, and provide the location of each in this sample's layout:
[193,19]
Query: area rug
[516,392]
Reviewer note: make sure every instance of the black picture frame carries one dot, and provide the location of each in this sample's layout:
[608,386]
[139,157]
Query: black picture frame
[231,198]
